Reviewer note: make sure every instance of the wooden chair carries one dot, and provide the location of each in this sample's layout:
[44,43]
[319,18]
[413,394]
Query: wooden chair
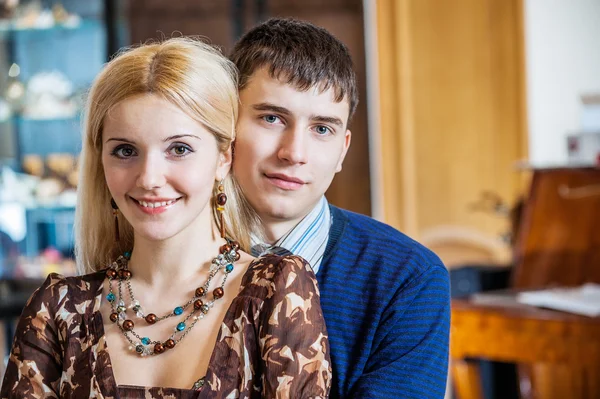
[458,246]
[558,243]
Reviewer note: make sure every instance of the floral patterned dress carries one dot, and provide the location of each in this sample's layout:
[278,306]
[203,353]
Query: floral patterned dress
[272,342]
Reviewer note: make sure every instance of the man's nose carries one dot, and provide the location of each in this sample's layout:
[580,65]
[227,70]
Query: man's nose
[293,147]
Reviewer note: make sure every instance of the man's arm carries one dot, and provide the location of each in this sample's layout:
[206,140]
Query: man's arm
[409,358]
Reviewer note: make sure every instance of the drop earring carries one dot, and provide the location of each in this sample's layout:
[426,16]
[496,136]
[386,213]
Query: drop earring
[115,212]
[221,200]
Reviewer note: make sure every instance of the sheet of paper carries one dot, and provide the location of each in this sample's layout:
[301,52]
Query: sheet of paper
[584,300]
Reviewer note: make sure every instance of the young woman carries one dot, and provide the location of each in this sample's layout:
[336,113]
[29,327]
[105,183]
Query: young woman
[171,305]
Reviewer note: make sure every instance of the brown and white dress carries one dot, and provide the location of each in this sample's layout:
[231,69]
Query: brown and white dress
[60,348]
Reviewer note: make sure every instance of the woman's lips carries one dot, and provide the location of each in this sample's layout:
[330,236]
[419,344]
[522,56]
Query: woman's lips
[154,207]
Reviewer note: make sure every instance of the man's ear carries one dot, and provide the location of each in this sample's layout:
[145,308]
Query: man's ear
[224,164]
[347,140]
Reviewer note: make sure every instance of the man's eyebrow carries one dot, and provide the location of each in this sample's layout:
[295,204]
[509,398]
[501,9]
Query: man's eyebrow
[284,111]
[328,119]
[272,108]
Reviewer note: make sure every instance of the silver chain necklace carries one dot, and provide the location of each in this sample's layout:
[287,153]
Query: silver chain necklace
[145,346]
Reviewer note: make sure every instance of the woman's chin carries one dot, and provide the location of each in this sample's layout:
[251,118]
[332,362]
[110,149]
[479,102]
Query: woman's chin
[154,235]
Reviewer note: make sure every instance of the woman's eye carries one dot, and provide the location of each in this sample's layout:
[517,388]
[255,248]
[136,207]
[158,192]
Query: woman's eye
[123,151]
[180,150]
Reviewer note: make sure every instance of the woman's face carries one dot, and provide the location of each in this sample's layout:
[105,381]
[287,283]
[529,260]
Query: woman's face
[160,166]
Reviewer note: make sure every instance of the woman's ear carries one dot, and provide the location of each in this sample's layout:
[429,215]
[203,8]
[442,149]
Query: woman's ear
[224,164]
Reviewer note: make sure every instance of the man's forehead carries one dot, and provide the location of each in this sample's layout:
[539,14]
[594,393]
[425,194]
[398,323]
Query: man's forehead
[262,87]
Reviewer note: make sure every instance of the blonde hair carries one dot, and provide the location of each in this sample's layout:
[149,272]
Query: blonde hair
[193,76]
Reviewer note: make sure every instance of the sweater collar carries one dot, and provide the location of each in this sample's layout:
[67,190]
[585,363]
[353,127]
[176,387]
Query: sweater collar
[338,226]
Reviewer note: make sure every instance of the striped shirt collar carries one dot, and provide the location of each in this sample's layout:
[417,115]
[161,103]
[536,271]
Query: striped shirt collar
[307,239]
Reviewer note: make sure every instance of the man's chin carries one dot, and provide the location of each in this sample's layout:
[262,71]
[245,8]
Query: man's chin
[282,213]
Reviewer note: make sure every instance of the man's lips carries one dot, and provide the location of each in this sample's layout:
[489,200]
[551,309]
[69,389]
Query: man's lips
[285,182]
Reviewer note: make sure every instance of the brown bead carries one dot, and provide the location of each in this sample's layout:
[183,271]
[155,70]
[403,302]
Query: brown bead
[235,245]
[225,248]
[159,348]
[218,292]
[200,291]
[221,199]
[114,317]
[169,344]
[124,274]
[111,273]
[237,256]
[128,325]
[151,318]
[198,304]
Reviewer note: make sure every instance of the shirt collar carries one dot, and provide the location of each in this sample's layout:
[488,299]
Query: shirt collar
[307,239]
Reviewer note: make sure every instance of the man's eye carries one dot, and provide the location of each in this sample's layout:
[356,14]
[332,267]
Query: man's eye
[323,130]
[270,118]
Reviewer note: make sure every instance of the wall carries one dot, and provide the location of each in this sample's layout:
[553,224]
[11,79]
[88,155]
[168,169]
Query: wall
[562,39]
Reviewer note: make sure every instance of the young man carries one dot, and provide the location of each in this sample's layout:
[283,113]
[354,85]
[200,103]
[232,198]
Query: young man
[385,297]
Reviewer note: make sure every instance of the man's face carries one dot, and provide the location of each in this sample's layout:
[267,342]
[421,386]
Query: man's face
[289,145]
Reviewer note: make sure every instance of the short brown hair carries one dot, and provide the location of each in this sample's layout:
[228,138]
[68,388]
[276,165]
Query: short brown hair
[300,53]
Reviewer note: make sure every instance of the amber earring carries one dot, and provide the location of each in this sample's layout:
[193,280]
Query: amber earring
[221,200]
[115,211]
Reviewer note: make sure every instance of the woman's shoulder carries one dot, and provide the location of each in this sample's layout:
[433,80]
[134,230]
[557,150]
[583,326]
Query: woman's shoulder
[59,292]
[269,266]
[80,283]
[274,273]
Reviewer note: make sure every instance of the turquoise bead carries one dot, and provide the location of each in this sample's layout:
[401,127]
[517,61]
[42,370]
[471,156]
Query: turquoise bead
[181,326]
[146,341]
[178,310]
[127,254]
[229,268]
[110,297]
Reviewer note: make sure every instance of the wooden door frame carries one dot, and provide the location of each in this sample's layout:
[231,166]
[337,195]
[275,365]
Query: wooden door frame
[393,163]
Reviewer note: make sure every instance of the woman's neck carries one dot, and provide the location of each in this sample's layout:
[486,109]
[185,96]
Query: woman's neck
[177,259]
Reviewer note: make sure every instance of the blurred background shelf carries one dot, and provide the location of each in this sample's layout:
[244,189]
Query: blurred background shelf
[78,53]
[50,53]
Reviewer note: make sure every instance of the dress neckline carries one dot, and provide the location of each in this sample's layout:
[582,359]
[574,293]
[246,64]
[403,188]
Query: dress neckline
[112,381]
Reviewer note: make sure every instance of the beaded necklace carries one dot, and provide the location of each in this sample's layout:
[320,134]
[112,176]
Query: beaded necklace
[144,346]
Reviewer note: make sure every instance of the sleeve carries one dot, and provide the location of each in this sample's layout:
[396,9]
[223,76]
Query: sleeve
[409,359]
[293,339]
[34,366]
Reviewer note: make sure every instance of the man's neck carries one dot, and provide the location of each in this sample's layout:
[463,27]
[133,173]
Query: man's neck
[274,229]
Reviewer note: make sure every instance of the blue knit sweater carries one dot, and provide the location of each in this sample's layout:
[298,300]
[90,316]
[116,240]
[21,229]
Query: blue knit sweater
[386,301]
